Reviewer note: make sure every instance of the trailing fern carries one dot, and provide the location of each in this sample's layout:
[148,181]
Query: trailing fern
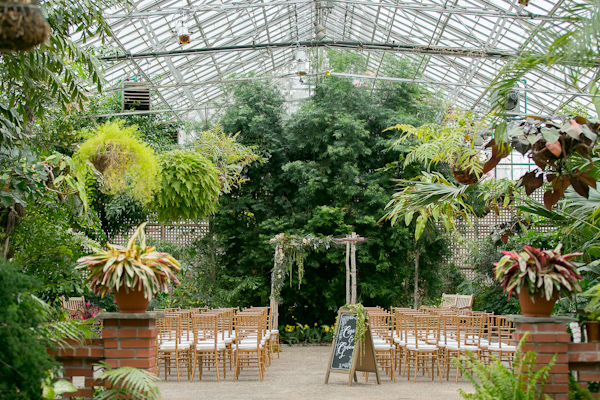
[189,186]
[121,161]
[450,142]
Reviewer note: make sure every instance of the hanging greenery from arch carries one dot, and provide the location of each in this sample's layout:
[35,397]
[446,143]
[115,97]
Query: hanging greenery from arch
[290,250]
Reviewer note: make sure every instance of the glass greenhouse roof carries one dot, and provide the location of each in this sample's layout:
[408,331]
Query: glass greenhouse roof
[457,46]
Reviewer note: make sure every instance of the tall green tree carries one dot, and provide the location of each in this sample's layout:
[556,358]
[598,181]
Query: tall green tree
[326,174]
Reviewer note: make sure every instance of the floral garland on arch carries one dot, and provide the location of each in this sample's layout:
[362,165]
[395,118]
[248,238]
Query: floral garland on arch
[290,250]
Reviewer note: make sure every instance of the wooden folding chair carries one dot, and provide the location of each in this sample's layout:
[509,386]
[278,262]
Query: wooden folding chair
[169,349]
[208,348]
[501,343]
[381,329]
[423,328]
[465,338]
[249,345]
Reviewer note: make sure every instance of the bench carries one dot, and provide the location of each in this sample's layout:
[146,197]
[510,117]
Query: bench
[458,301]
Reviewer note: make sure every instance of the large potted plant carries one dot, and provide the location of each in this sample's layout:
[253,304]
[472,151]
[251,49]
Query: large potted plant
[538,277]
[134,273]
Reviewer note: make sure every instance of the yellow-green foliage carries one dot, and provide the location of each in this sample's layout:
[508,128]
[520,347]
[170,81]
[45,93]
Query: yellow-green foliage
[122,161]
[229,156]
[189,186]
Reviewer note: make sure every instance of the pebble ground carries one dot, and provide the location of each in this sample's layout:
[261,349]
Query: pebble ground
[299,373]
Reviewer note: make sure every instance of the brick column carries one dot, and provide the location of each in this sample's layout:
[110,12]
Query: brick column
[78,361]
[585,359]
[130,339]
[548,336]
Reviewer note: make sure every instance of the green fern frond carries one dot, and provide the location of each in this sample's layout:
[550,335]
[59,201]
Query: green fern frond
[451,142]
[132,382]
[497,382]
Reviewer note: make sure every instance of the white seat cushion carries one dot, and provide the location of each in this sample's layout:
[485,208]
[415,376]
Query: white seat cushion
[410,340]
[247,347]
[505,347]
[172,347]
[422,347]
[210,346]
[454,347]
[382,346]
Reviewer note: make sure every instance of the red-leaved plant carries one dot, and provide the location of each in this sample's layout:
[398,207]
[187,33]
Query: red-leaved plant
[88,311]
[544,272]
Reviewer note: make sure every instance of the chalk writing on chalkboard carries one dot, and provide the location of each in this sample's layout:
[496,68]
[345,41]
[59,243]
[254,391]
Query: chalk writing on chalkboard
[344,342]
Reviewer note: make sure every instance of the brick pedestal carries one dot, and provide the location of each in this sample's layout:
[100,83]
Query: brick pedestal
[548,337]
[127,340]
[130,339]
[584,358]
[78,361]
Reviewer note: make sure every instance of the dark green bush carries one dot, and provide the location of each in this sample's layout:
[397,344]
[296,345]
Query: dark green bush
[47,247]
[576,392]
[24,361]
[488,294]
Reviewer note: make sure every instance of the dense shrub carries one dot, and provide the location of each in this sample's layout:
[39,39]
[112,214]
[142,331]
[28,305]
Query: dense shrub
[24,361]
[488,294]
[46,246]
[328,171]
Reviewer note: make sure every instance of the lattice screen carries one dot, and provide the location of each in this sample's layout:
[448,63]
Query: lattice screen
[182,233]
[482,227]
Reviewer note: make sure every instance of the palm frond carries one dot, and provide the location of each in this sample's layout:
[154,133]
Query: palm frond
[59,333]
[432,197]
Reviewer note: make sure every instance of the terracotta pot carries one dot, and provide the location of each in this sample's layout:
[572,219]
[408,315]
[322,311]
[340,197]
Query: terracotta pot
[132,301]
[540,308]
[592,328]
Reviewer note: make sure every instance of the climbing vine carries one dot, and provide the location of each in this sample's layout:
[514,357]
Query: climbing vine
[362,324]
[290,250]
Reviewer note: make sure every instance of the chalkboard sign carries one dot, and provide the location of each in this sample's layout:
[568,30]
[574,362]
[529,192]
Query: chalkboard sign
[344,342]
[344,346]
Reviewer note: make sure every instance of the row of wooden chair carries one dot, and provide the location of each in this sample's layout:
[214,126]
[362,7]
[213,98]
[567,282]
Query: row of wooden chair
[429,339]
[203,338]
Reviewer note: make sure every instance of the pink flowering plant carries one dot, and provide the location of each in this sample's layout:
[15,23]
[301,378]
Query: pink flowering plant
[88,311]
[537,271]
[132,267]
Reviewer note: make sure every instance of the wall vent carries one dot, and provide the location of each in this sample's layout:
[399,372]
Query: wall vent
[136,96]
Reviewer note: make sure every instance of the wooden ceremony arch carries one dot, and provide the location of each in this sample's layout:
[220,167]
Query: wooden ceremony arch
[277,272]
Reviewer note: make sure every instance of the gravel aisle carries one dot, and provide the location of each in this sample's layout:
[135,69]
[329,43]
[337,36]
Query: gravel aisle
[299,373]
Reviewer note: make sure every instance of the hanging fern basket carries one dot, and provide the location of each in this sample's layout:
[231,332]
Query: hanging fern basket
[464,177]
[112,155]
[22,26]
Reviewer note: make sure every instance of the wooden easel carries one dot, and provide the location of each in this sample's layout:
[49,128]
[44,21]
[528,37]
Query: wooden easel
[360,362]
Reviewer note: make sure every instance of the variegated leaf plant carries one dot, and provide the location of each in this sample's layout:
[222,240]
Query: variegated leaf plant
[546,272]
[123,268]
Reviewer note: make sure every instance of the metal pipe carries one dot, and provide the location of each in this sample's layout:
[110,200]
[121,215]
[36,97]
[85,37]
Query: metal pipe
[405,5]
[525,94]
[408,48]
